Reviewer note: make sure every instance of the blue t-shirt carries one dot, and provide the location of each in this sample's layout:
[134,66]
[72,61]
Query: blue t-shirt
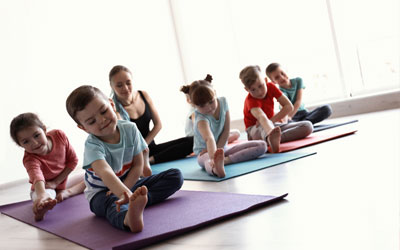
[291,94]
[119,156]
[216,126]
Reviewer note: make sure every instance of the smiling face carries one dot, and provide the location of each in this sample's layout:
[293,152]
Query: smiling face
[121,83]
[279,77]
[99,119]
[258,89]
[34,140]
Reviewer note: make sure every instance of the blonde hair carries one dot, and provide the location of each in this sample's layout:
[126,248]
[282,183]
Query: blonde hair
[200,92]
[250,75]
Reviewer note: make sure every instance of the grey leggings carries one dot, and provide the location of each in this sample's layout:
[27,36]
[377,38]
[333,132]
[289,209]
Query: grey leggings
[290,131]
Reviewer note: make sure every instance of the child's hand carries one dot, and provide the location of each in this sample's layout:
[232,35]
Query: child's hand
[123,200]
[51,185]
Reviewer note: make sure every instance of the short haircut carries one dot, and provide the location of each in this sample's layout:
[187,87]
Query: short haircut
[23,121]
[250,75]
[116,69]
[271,68]
[80,98]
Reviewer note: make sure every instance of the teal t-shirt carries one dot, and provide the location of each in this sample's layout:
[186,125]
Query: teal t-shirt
[119,156]
[291,94]
[216,126]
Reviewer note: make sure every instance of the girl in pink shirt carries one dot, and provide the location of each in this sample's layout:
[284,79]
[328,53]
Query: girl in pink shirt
[48,159]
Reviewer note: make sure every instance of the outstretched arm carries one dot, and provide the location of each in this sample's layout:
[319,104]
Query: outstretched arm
[156,120]
[205,132]
[107,175]
[262,119]
[287,107]
[135,172]
[225,133]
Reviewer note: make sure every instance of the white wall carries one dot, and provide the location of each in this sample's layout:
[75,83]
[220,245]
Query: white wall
[48,48]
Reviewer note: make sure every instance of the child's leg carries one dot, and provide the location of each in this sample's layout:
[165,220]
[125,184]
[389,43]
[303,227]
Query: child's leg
[134,216]
[300,115]
[103,205]
[146,163]
[75,185]
[172,150]
[295,130]
[43,204]
[213,166]
[161,186]
[319,114]
[256,133]
[234,134]
[246,151]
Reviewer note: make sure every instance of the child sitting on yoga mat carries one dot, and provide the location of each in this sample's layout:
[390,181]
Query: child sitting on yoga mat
[293,89]
[259,117]
[113,160]
[211,130]
[234,134]
[49,159]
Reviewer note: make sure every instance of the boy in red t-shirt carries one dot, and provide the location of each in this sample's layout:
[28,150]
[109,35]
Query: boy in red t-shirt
[259,117]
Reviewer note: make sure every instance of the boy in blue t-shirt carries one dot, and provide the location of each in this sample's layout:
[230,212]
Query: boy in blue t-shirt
[293,89]
[113,161]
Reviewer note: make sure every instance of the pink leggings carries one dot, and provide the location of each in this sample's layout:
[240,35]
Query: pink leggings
[243,151]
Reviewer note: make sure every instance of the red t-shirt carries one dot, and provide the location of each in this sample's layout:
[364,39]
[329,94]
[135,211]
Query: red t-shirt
[48,167]
[266,104]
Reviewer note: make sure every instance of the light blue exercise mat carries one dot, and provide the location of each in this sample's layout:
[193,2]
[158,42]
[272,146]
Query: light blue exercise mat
[192,171]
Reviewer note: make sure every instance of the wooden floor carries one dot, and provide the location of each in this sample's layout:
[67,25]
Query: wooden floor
[344,197]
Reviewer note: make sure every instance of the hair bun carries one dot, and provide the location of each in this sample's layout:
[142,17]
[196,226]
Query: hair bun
[208,78]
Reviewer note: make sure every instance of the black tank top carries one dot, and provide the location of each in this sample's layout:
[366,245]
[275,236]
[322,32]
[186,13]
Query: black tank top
[143,122]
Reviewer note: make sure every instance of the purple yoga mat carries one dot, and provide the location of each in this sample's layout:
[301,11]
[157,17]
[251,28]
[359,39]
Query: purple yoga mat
[182,212]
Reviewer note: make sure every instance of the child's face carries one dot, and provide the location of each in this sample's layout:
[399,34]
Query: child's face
[121,83]
[98,118]
[34,140]
[209,108]
[258,89]
[279,76]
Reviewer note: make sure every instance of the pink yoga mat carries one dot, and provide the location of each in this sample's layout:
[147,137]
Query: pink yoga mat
[182,212]
[314,138]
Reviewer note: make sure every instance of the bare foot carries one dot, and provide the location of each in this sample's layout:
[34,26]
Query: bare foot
[134,216]
[41,209]
[146,170]
[63,194]
[218,168]
[274,139]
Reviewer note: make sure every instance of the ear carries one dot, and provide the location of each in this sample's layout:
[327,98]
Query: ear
[81,127]
[245,88]
[266,79]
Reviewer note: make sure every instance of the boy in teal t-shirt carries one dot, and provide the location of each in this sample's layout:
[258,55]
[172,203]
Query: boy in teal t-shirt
[293,89]
[113,161]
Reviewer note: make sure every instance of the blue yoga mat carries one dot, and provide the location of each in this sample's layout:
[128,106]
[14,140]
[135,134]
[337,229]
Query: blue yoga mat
[192,171]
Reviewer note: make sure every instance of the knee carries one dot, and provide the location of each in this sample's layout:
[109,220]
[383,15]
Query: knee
[262,147]
[327,110]
[176,176]
[308,127]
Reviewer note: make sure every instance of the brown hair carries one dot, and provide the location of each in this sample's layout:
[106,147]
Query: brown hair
[249,75]
[271,68]
[116,69]
[22,122]
[200,92]
[80,98]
